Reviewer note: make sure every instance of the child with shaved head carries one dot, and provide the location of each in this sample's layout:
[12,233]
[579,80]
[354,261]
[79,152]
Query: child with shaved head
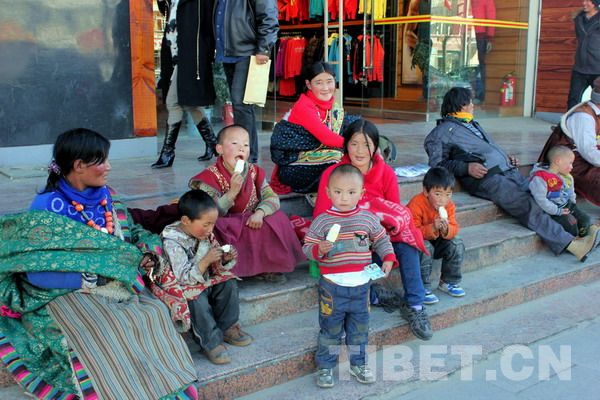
[553,189]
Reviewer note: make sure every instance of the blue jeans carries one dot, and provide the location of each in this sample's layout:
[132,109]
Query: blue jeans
[410,272]
[342,309]
[509,191]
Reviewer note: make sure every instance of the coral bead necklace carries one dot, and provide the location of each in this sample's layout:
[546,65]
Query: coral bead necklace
[107,216]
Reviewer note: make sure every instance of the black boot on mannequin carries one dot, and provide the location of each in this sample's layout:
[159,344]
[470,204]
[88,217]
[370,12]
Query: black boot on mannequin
[167,153]
[210,140]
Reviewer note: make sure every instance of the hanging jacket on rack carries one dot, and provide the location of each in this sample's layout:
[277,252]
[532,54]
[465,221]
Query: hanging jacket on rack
[310,51]
[280,58]
[348,56]
[332,55]
[378,10]
[316,8]
[293,10]
[374,74]
[350,9]
[293,57]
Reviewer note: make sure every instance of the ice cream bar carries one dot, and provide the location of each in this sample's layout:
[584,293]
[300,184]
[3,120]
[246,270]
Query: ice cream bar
[443,213]
[226,248]
[239,166]
[333,233]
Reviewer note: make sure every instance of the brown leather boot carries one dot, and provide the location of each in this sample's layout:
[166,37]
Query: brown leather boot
[235,336]
[219,355]
[582,247]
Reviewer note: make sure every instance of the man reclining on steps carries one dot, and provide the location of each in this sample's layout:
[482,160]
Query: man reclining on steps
[459,144]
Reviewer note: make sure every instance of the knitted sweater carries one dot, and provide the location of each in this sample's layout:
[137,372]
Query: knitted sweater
[424,215]
[360,233]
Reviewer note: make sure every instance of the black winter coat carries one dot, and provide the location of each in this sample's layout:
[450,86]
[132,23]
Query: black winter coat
[196,49]
[587,55]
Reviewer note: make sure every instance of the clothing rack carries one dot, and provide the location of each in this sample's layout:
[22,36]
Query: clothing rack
[347,30]
[288,34]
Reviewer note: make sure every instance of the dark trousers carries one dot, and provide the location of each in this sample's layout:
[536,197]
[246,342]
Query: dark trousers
[213,312]
[579,82]
[510,192]
[243,114]
[410,273]
[482,42]
[576,223]
[342,309]
[451,252]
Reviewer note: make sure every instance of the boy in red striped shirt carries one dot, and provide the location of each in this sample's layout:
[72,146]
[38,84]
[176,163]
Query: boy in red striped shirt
[344,285]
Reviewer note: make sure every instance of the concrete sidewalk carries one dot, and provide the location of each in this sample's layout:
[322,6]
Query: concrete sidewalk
[144,187]
[565,364]
[544,349]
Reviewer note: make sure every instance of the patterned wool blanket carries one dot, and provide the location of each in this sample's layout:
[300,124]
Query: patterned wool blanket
[397,221]
[32,344]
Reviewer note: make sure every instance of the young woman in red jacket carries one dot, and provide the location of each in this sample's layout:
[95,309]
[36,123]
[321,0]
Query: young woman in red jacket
[307,140]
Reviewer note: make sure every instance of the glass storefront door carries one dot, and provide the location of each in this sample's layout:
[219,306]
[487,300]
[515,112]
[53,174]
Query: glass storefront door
[433,45]
[397,58]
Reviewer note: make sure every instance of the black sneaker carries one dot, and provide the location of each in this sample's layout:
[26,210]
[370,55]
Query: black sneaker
[388,299]
[418,321]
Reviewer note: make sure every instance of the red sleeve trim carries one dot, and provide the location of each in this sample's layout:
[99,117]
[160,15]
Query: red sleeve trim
[392,257]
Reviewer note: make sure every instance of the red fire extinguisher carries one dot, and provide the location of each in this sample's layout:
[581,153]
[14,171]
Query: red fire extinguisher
[507,90]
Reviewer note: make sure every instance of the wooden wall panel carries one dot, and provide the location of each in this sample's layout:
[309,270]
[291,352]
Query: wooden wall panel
[142,67]
[556,50]
[570,4]
[508,55]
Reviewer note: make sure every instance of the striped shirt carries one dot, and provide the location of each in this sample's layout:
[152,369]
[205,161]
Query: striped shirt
[360,234]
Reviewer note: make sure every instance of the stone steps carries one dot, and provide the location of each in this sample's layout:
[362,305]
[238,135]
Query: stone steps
[284,347]
[486,244]
[505,264]
[267,309]
[403,371]
[470,210]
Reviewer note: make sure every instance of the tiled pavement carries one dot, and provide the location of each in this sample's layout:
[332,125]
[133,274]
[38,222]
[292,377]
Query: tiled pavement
[144,187]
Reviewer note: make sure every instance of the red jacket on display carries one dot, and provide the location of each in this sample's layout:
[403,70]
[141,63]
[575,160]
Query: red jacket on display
[484,9]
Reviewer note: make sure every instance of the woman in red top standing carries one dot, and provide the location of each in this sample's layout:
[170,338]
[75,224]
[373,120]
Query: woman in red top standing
[307,140]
